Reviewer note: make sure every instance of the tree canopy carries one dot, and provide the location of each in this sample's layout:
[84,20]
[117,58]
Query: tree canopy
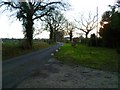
[54,22]
[31,10]
[87,24]
[110,27]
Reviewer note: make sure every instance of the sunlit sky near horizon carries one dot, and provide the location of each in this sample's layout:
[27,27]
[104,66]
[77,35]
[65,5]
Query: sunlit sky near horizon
[13,29]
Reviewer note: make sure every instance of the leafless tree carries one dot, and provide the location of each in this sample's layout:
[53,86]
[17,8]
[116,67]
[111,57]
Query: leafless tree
[70,27]
[86,24]
[55,22]
[29,11]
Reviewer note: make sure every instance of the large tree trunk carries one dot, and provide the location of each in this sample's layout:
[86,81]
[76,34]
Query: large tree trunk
[51,32]
[71,35]
[29,31]
[86,34]
[55,40]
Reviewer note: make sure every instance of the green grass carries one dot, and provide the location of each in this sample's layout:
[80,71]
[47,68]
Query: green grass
[93,57]
[11,49]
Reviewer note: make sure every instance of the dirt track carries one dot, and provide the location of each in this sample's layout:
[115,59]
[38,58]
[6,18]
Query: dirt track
[57,75]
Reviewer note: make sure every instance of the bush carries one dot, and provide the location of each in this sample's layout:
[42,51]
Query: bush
[118,50]
[92,41]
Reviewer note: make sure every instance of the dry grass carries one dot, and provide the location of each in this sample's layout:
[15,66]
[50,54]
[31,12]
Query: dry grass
[12,49]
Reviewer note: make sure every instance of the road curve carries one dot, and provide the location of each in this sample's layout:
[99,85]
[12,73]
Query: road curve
[17,69]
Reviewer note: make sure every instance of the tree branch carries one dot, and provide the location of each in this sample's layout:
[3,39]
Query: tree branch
[40,15]
[42,7]
[13,5]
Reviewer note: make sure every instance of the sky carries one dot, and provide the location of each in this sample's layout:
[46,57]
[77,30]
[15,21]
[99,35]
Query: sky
[11,28]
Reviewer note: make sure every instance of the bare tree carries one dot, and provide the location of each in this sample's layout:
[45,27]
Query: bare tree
[54,23]
[86,24]
[29,11]
[70,29]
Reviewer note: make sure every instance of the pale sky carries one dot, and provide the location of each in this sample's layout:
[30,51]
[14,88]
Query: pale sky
[14,29]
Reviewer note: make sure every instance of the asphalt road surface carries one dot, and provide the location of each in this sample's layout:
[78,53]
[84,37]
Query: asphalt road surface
[18,69]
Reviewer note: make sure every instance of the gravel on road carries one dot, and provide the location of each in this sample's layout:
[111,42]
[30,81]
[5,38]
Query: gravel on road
[55,74]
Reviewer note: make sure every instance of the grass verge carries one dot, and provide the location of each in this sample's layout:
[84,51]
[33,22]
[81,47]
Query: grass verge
[93,57]
[11,49]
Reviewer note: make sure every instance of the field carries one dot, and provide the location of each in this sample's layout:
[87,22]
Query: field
[93,57]
[12,48]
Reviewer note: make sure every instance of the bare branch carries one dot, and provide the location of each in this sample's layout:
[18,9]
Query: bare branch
[87,25]
[38,17]
[12,4]
[38,6]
